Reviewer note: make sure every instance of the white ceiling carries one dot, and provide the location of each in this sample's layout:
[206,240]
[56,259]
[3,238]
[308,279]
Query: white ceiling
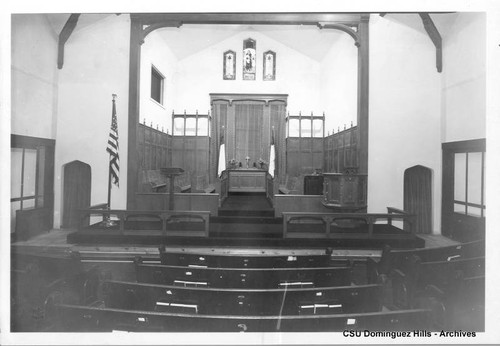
[308,40]
[58,20]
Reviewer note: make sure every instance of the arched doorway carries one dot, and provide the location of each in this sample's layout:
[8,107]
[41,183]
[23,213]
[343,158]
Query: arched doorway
[418,197]
[76,192]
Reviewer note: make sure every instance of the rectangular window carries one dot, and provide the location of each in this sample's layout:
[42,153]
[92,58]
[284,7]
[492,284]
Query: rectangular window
[305,126]
[191,125]
[32,175]
[469,184]
[27,169]
[157,81]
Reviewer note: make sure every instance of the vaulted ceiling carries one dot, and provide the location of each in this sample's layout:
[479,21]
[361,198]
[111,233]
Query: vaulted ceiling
[308,40]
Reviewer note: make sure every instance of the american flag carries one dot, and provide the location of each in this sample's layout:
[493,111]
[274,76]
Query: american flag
[112,149]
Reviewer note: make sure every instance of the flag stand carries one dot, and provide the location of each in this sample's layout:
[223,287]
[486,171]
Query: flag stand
[107,222]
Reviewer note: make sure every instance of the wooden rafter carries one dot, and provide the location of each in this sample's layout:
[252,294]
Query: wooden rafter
[341,27]
[433,33]
[64,36]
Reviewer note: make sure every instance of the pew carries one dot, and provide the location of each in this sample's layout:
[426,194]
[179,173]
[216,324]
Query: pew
[230,301]
[35,278]
[293,185]
[398,259]
[158,182]
[250,261]
[202,184]
[243,277]
[75,318]
[409,284]
[457,284]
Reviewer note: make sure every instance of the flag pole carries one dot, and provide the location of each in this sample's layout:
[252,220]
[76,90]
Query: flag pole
[109,165]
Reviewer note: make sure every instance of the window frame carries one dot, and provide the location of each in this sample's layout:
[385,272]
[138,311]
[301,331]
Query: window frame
[45,192]
[466,203]
[155,72]
[313,119]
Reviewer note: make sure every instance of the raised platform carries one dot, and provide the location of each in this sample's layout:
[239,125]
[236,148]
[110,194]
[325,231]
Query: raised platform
[341,241]
[246,220]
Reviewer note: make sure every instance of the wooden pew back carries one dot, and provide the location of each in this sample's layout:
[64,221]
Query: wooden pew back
[399,259]
[97,319]
[219,301]
[243,277]
[248,261]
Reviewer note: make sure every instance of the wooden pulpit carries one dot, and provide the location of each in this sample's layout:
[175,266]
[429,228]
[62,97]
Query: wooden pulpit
[345,192]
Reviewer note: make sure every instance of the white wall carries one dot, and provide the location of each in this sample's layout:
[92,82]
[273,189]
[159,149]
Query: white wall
[405,108]
[96,66]
[34,76]
[464,78]
[200,74]
[155,52]
[339,83]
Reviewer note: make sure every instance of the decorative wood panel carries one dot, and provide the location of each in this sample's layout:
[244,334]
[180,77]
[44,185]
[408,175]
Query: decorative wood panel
[341,150]
[304,155]
[269,110]
[191,154]
[247,181]
[154,152]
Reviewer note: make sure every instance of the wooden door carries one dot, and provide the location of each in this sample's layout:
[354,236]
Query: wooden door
[418,198]
[463,209]
[76,192]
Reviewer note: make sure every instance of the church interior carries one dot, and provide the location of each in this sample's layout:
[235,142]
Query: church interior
[248,172]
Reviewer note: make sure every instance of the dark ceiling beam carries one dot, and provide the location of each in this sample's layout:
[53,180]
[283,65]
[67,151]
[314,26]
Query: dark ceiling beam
[248,18]
[342,27]
[64,36]
[340,21]
[433,33]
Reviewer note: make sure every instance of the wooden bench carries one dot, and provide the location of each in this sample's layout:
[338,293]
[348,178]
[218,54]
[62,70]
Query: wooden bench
[292,186]
[243,277]
[182,183]
[248,261]
[230,301]
[398,259]
[202,184]
[160,182]
[410,283]
[458,284]
[74,318]
[35,279]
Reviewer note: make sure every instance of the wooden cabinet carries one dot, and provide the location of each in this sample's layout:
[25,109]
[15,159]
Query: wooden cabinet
[32,222]
[344,191]
[313,184]
[247,180]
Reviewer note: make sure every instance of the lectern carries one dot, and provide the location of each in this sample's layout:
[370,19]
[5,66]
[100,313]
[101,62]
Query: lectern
[171,173]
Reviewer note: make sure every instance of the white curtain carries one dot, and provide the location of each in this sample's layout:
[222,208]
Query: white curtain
[272,156]
[222,159]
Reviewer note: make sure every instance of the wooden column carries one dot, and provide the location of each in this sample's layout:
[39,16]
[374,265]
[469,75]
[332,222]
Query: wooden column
[363,88]
[133,109]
